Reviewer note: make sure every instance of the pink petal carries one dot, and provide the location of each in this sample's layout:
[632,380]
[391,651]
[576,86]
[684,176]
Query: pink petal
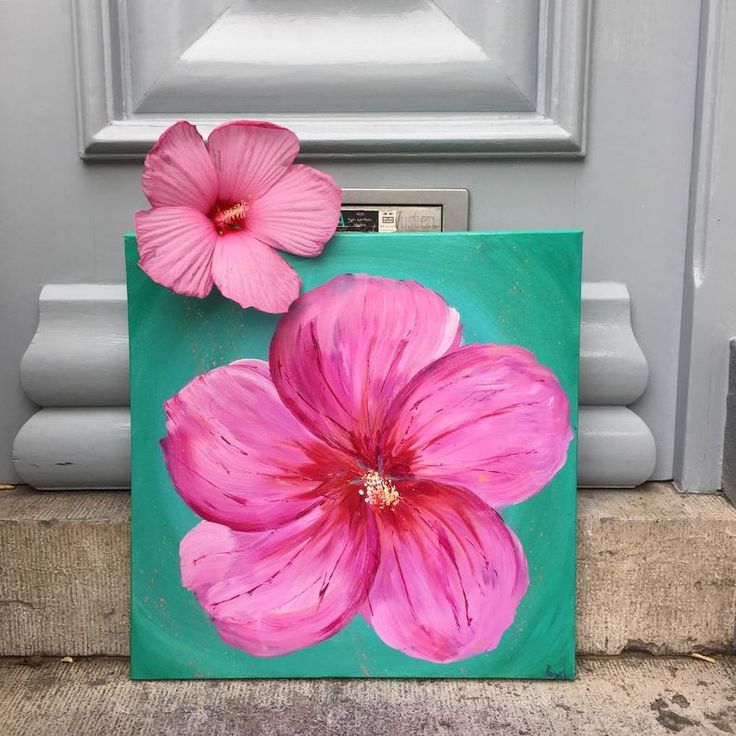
[237,456]
[486,417]
[344,350]
[299,213]
[176,245]
[271,593]
[451,574]
[252,274]
[250,157]
[178,170]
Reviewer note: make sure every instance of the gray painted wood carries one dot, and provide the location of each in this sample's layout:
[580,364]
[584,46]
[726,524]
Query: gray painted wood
[72,447]
[709,302]
[79,358]
[452,77]
[729,439]
[613,369]
[62,219]
[320,57]
[615,448]
[79,354]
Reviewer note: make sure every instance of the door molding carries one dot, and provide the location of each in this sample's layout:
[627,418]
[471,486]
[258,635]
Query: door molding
[709,296]
[76,368]
[109,127]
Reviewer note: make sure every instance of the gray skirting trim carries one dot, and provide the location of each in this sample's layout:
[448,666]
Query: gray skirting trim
[60,448]
[76,368]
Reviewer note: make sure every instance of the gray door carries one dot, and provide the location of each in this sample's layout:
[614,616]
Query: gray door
[552,113]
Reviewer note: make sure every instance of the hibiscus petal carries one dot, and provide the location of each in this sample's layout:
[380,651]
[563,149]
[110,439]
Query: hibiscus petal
[272,593]
[237,456]
[176,245]
[250,157]
[299,213]
[344,349]
[486,417]
[178,170]
[450,577]
[252,274]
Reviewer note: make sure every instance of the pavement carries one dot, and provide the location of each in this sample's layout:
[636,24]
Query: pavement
[630,694]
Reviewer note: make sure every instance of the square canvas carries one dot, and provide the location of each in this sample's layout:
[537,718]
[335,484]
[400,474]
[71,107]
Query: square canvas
[380,483]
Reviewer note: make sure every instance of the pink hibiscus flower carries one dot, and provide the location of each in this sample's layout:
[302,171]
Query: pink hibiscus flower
[357,472]
[220,208]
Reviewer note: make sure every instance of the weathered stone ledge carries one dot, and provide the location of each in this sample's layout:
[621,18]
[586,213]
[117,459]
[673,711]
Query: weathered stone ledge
[655,572]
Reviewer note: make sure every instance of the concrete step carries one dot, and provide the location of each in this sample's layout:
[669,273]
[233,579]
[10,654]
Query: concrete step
[655,572]
[620,695]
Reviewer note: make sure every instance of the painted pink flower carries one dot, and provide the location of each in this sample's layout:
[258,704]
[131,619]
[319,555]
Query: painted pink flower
[219,209]
[358,472]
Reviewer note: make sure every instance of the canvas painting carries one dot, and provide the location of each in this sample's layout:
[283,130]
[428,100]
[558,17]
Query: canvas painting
[378,483]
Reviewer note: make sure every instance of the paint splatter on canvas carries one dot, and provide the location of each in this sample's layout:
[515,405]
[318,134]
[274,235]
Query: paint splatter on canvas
[372,474]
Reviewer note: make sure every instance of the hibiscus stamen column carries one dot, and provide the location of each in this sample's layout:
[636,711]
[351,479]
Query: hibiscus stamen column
[379,491]
[232,217]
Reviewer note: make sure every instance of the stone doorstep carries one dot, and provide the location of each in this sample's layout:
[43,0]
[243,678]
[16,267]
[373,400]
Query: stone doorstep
[655,572]
[633,694]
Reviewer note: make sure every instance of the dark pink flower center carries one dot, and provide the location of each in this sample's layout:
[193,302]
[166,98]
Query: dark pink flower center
[378,491]
[230,217]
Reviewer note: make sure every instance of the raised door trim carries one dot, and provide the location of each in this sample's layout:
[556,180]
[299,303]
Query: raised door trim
[110,129]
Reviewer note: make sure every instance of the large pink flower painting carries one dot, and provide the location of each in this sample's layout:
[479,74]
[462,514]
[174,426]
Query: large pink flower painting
[359,471]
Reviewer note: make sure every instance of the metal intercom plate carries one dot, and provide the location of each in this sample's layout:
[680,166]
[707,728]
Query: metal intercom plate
[403,210]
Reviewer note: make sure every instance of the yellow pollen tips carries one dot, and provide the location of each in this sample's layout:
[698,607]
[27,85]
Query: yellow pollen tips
[230,217]
[378,491]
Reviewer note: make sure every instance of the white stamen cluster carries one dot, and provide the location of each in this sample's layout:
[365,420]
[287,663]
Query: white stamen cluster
[378,491]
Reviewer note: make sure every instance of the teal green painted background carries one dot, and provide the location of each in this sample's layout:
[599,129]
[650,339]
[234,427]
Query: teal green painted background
[517,288]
